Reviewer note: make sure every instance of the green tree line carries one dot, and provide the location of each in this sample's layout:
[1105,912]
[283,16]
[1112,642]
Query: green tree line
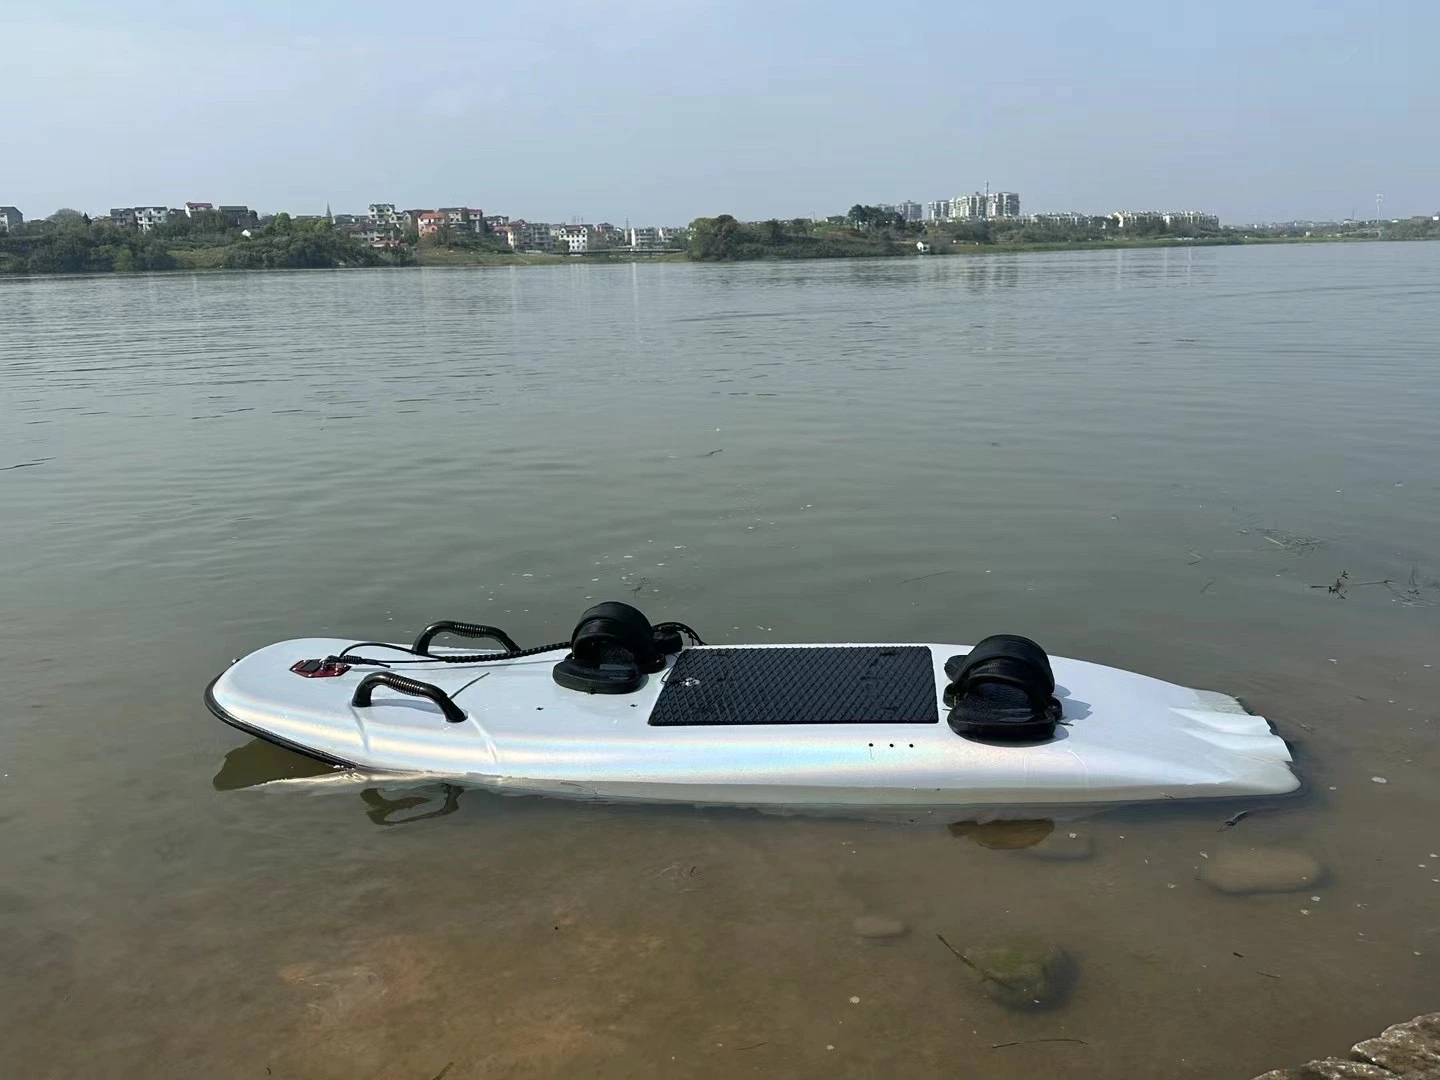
[69,242]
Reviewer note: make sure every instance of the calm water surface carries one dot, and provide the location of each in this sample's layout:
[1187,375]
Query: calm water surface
[1143,458]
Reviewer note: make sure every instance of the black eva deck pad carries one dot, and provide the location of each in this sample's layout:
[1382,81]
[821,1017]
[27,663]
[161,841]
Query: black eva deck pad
[827,684]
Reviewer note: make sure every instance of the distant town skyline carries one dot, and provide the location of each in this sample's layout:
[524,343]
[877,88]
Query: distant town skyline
[665,110]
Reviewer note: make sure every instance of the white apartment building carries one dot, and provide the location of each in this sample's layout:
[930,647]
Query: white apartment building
[147,217]
[573,238]
[967,207]
[1002,204]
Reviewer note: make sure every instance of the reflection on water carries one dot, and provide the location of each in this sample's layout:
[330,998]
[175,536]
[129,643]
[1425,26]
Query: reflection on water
[260,762]
[1117,453]
[382,809]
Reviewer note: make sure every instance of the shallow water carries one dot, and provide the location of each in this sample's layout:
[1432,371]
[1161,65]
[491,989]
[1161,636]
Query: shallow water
[1144,458]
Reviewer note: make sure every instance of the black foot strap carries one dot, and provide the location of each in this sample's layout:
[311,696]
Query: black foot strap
[613,648]
[1003,690]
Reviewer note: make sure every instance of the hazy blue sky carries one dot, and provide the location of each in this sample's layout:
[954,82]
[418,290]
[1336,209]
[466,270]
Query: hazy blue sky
[661,110]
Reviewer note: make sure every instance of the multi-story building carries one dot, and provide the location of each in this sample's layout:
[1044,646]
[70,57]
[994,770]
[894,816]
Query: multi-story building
[968,207]
[937,210]
[430,222]
[1002,204]
[644,237]
[1064,217]
[910,211]
[991,205]
[1128,219]
[477,220]
[532,236]
[457,217]
[1196,218]
[573,238]
[382,213]
[495,220]
[193,208]
[10,218]
[147,217]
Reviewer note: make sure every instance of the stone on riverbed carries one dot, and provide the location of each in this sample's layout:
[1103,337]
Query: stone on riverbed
[1021,972]
[879,927]
[1408,1051]
[1260,870]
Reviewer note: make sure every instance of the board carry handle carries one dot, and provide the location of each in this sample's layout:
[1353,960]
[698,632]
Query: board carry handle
[401,685]
[461,629]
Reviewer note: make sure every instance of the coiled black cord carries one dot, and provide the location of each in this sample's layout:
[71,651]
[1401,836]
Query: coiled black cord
[343,656]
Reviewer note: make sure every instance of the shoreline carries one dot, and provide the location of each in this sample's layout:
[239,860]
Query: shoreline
[210,260]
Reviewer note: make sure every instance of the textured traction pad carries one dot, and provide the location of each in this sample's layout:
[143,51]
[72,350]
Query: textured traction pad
[843,684]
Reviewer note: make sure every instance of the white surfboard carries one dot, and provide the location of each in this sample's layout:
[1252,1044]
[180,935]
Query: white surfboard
[694,732]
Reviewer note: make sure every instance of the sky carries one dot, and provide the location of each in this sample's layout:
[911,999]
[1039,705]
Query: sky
[659,111]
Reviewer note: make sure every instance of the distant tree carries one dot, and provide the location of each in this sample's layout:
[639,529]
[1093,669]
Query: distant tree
[716,238]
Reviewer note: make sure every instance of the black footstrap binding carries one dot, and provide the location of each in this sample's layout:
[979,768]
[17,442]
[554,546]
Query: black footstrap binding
[614,647]
[1002,690]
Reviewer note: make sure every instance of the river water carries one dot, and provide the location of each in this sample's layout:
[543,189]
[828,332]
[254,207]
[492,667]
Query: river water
[1143,458]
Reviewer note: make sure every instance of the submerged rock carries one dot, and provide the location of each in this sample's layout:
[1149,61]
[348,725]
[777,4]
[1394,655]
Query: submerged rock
[1260,869]
[880,927]
[1021,972]
[1408,1051]
[1005,835]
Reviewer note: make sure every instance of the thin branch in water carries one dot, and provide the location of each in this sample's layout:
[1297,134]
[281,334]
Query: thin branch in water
[927,577]
[1026,1042]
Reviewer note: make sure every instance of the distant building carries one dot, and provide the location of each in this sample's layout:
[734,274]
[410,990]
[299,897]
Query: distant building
[477,220]
[531,236]
[10,218]
[147,217]
[1002,204]
[978,207]
[573,238]
[910,211]
[122,217]
[968,207]
[937,210]
[1196,218]
[457,217]
[495,220]
[345,219]
[644,237]
[193,208]
[238,217]
[1128,219]
[430,222]
[382,213]
[373,233]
